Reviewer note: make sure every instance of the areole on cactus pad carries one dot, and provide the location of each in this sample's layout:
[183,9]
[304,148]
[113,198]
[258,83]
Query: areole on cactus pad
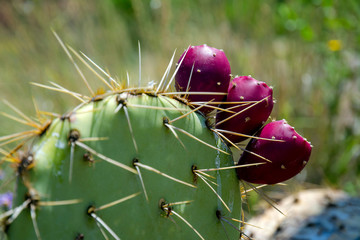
[131,163]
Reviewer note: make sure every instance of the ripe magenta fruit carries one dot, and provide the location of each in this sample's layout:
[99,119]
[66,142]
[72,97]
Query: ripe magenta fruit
[210,72]
[286,149]
[253,111]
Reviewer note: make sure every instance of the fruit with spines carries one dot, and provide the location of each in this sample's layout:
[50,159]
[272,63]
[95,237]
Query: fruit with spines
[205,70]
[250,105]
[280,151]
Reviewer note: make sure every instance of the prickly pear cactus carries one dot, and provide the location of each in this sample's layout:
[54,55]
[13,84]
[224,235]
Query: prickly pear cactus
[138,163]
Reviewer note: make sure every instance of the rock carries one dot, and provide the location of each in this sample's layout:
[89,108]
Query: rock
[317,214]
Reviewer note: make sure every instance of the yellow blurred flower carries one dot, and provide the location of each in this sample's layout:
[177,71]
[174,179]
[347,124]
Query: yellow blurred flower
[334,45]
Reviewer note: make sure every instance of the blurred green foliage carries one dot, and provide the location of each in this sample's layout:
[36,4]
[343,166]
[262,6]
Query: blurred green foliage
[308,50]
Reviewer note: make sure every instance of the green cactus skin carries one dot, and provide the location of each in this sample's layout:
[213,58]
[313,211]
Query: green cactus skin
[138,130]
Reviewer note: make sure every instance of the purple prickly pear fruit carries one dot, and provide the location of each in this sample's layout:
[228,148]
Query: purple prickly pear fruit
[286,149]
[208,70]
[255,109]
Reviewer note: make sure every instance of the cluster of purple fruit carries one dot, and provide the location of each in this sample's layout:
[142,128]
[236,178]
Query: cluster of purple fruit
[276,152]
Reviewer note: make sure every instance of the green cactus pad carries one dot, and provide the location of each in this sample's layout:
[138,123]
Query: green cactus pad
[85,181]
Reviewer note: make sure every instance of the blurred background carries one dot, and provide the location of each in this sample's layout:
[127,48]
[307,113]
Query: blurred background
[308,50]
